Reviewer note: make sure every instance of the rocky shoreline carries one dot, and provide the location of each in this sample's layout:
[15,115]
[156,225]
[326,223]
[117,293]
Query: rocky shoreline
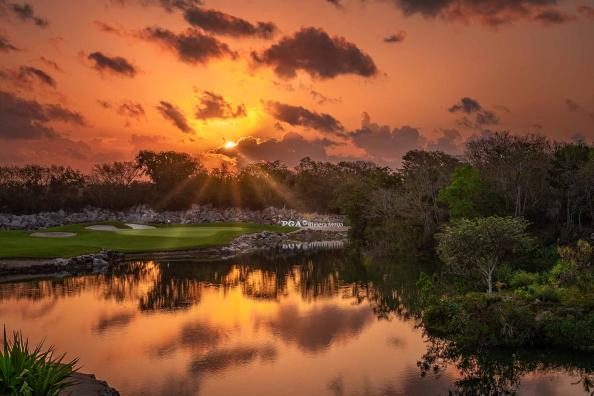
[144,215]
[89,385]
[100,263]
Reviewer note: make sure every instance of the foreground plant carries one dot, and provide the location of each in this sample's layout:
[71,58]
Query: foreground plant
[33,372]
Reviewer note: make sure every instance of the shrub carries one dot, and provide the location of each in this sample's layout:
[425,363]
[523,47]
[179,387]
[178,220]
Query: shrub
[26,372]
[522,279]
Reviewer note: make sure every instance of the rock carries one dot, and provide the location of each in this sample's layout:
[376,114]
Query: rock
[142,214]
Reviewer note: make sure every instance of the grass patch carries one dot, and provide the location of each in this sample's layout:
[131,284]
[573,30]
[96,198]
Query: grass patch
[19,244]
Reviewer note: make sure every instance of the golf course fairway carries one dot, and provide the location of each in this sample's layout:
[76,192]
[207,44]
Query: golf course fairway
[20,244]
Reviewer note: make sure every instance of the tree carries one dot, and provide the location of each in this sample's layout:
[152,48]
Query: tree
[515,167]
[175,176]
[423,174]
[481,245]
[467,195]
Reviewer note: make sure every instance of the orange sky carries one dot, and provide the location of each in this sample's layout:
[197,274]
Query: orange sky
[524,65]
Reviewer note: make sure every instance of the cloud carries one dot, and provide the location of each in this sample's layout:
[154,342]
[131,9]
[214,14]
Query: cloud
[488,12]
[5,44]
[217,22]
[335,3]
[449,142]
[396,38]
[572,105]
[127,108]
[107,28]
[586,11]
[290,149]
[313,51]
[213,105]
[168,5]
[472,107]
[174,114]
[23,12]
[552,16]
[300,116]
[26,119]
[192,46]
[386,145]
[50,63]
[115,65]
[27,76]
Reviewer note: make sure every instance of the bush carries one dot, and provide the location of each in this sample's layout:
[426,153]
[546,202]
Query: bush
[522,279]
[27,372]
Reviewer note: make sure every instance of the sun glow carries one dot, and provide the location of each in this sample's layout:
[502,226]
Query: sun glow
[230,144]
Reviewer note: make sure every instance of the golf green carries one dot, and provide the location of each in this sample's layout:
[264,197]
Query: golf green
[20,244]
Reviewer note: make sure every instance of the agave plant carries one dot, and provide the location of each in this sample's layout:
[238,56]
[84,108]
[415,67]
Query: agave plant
[33,372]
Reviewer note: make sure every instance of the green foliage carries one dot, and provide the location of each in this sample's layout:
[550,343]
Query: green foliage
[480,245]
[467,195]
[33,372]
[522,279]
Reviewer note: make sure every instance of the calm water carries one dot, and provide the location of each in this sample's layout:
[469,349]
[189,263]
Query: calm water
[309,325]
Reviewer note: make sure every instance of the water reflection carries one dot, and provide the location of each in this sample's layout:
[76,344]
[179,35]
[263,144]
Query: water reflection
[318,324]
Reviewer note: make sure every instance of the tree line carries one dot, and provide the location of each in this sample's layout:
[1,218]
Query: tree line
[549,183]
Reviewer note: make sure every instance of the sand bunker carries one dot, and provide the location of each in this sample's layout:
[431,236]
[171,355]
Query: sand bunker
[53,234]
[105,227]
[140,226]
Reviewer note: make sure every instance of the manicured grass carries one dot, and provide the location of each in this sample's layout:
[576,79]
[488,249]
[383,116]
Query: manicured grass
[19,244]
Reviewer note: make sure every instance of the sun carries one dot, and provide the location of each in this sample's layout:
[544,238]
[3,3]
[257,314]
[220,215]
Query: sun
[230,144]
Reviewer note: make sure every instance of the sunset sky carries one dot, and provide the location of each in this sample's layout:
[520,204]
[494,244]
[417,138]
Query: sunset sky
[91,81]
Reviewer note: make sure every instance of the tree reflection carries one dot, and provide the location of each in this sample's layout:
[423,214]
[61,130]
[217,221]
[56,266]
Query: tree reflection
[499,372]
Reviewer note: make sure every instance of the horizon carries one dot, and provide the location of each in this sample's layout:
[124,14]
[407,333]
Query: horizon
[237,83]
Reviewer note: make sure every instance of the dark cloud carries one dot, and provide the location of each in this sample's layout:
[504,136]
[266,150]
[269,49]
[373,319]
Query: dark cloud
[33,72]
[290,149]
[27,77]
[300,116]
[213,105]
[23,11]
[466,105]
[26,119]
[6,45]
[168,5]
[386,145]
[131,109]
[192,46]
[313,51]
[174,114]
[472,107]
[489,12]
[552,16]
[115,65]
[395,38]
[586,11]
[572,105]
[217,22]
[127,108]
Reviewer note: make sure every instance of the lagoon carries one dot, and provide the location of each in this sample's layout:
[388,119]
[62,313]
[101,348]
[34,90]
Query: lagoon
[305,323]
